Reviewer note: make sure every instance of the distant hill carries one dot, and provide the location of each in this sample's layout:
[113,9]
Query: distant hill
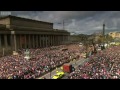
[110,30]
[89,32]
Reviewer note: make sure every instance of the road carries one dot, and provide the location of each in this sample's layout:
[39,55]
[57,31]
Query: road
[75,64]
[47,76]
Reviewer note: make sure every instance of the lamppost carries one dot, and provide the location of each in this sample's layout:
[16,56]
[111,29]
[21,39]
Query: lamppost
[13,33]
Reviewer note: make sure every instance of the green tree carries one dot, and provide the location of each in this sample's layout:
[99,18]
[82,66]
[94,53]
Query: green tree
[108,38]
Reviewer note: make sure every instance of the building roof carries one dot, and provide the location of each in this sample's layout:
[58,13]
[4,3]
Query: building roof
[29,28]
[11,16]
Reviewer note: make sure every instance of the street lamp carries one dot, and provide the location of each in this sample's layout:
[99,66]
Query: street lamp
[13,33]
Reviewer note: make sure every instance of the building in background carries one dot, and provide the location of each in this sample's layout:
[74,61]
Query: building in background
[115,34]
[17,33]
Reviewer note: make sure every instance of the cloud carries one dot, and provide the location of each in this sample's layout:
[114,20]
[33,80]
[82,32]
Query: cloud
[86,22]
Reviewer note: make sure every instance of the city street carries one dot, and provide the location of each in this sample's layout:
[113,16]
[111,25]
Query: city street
[74,63]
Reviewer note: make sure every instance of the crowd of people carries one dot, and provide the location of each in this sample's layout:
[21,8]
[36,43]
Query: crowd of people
[42,61]
[103,65]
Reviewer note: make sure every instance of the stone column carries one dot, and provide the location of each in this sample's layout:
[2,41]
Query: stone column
[49,40]
[20,46]
[25,41]
[36,41]
[0,42]
[12,42]
[66,38]
[63,39]
[53,41]
[17,41]
[5,40]
[45,40]
[56,40]
[40,40]
[20,41]
[29,41]
[59,40]
[33,41]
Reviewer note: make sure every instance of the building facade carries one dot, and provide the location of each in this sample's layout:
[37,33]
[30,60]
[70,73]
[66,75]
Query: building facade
[115,34]
[17,33]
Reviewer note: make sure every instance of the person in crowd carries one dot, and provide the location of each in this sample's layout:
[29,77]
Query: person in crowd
[42,61]
[103,65]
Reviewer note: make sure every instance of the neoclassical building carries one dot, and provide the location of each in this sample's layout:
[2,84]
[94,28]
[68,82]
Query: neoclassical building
[17,33]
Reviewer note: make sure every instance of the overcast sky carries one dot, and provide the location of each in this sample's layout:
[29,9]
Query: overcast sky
[85,22]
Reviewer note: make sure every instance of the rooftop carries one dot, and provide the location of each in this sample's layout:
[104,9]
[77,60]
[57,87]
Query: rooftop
[11,16]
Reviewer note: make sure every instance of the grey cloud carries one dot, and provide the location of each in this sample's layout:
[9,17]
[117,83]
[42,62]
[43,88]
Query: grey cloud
[76,21]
